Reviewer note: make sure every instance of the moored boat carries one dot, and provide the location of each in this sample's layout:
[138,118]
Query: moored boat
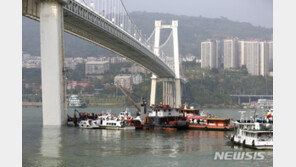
[76,102]
[198,120]
[257,133]
[164,117]
[112,122]
[88,124]
[220,124]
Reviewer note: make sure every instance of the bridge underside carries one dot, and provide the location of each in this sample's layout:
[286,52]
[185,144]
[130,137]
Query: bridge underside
[84,23]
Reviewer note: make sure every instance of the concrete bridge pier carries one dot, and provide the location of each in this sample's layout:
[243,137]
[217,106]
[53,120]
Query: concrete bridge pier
[168,93]
[153,90]
[52,62]
[178,93]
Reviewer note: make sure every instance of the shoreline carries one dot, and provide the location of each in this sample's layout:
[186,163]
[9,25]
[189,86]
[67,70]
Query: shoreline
[39,105]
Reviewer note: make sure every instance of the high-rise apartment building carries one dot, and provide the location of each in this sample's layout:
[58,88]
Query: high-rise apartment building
[210,54]
[270,47]
[256,56]
[241,53]
[230,50]
[264,58]
[252,57]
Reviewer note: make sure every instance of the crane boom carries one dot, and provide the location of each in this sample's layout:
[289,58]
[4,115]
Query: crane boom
[124,92]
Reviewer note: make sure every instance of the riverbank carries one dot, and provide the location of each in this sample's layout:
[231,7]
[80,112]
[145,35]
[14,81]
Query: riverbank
[123,104]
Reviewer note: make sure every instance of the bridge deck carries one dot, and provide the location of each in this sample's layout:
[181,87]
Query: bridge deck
[82,22]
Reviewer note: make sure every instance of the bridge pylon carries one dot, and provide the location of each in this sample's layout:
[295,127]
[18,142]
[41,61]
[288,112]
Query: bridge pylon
[52,62]
[171,86]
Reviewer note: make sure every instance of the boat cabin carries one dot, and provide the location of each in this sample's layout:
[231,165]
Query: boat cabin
[189,112]
[163,111]
[217,121]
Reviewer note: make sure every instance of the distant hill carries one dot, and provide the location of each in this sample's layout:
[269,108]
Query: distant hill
[192,30]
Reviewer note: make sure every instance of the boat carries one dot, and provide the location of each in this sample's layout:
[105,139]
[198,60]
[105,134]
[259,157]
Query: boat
[88,124]
[76,102]
[257,133]
[265,103]
[164,117]
[201,121]
[111,122]
[219,124]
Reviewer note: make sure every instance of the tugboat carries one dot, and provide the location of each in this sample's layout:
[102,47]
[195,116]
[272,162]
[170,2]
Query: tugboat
[218,124]
[164,117]
[257,133]
[200,121]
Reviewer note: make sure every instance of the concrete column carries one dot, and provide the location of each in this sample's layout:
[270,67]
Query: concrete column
[52,60]
[171,96]
[165,92]
[178,93]
[176,48]
[153,90]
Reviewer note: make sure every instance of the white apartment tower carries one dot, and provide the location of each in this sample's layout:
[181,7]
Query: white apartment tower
[270,47]
[252,57]
[241,53]
[231,58]
[256,56]
[210,54]
[264,58]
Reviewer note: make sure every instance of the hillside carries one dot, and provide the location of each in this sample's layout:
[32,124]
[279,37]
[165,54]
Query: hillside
[192,30]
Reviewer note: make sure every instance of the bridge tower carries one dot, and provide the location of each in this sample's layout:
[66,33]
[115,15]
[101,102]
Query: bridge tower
[52,60]
[171,86]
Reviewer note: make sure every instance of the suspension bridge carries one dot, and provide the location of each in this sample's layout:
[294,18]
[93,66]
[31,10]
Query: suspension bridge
[108,24]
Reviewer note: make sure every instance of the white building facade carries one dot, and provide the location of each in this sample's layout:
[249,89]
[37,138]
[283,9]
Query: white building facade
[230,53]
[124,81]
[96,67]
[210,54]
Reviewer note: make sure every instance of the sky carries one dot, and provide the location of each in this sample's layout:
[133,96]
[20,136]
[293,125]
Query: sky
[256,12]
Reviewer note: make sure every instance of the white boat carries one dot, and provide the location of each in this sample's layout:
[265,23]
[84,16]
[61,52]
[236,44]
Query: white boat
[76,102]
[88,124]
[256,134]
[125,115]
[112,122]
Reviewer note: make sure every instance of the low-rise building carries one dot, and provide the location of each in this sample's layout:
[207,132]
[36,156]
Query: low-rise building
[96,67]
[124,80]
[31,61]
[137,79]
[74,84]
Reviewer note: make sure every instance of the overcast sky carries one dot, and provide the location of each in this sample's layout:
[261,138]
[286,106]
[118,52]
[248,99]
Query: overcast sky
[256,12]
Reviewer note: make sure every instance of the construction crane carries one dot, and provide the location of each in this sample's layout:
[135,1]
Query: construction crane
[124,92]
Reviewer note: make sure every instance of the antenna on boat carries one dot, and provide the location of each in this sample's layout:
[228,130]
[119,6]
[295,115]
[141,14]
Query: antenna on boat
[242,114]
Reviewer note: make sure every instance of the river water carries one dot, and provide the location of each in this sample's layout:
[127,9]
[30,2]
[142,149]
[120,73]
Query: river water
[69,146]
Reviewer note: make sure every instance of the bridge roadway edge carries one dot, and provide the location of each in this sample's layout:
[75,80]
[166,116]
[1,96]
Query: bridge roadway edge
[97,27]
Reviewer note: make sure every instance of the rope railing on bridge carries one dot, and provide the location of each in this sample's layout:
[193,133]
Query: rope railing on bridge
[116,12]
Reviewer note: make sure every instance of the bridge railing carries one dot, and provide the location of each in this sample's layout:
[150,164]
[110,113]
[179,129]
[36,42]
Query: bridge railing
[116,13]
